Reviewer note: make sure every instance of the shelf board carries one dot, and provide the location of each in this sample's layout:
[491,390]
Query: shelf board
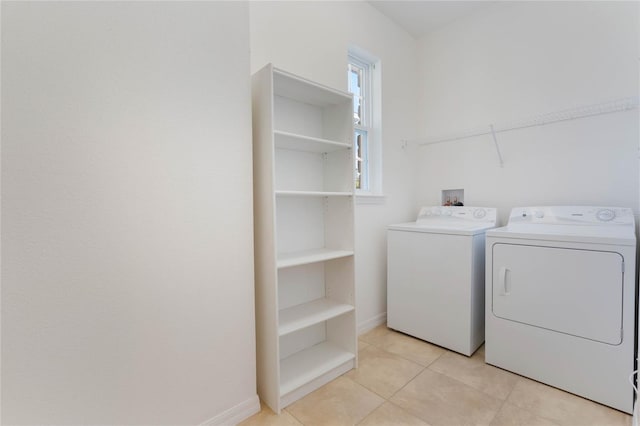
[310,256]
[302,90]
[313,194]
[309,364]
[296,142]
[307,314]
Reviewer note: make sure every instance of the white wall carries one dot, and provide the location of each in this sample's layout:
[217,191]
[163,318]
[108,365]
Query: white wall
[127,279]
[522,59]
[311,39]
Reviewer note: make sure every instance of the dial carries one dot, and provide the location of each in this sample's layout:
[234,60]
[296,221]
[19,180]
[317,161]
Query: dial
[605,215]
[539,214]
[448,212]
[479,213]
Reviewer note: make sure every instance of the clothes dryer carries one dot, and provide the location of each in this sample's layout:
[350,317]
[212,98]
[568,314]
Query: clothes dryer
[435,276]
[560,299]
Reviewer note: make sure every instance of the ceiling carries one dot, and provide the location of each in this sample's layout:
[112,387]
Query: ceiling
[422,17]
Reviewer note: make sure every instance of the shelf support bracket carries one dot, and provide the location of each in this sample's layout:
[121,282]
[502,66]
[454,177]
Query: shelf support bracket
[495,141]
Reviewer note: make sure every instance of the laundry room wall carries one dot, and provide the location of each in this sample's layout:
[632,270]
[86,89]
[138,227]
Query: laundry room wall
[311,39]
[517,60]
[127,243]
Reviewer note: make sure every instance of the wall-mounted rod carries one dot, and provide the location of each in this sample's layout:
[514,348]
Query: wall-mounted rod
[495,141]
[617,105]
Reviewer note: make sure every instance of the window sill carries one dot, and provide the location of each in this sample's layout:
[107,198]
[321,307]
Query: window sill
[370,199]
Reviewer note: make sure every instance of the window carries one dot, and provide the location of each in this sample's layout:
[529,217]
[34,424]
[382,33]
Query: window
[363,76]
[359,86]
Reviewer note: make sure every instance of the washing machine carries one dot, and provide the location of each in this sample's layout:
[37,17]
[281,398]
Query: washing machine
[435,276]
[560,298]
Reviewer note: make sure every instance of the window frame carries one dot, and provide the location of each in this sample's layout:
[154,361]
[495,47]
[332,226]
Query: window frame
[370,123]
[362,129]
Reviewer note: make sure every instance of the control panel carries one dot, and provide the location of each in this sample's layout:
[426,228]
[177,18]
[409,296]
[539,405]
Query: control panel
[466,213]
[573,215]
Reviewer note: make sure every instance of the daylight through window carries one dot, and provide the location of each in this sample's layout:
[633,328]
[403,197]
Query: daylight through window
[360,87]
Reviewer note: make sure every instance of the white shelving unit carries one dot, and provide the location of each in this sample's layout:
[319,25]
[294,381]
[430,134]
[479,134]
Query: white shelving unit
[313,194]
[286,140]
[304,235]
[310,256]
[307,314]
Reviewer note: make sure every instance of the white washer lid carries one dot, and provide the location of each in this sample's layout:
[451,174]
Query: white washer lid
[443,228]
[454,220]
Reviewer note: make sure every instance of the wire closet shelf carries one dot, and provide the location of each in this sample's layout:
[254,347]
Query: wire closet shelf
[608,107]
[616,105]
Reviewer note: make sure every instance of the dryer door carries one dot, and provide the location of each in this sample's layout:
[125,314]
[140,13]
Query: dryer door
[577,292]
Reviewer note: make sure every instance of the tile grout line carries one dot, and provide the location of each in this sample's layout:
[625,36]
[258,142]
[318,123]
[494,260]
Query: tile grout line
[430,366]
[409,359]
[427,367]
[504,401]
[481,390]
[520,379]
[292,415]
[405,385]
[388,400]
[408,412]
[369,390]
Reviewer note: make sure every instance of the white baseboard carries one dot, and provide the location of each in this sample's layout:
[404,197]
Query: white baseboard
[372,323]
[235,415]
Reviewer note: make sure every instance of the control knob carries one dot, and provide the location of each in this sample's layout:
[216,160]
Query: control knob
[479,213]
[605,215]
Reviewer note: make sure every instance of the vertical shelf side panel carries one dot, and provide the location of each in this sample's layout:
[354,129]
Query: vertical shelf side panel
[266,302]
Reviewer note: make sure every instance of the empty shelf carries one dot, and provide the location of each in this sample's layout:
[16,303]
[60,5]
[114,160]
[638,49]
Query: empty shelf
[313,194]
[293,141]
[302,90]
[309,364]
[310,256]
[307,314]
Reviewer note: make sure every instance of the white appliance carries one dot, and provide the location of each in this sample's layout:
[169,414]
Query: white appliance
[435,276]
[560,296]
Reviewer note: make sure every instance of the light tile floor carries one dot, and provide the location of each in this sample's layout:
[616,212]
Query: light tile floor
[405,381]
